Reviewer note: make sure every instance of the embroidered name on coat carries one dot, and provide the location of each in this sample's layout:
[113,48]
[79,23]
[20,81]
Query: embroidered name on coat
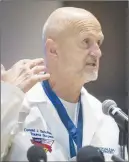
[41,138]
[107,150]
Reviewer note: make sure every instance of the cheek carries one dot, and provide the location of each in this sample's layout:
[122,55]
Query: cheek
[80,58]
[73,58]
[85,56]
[64,61]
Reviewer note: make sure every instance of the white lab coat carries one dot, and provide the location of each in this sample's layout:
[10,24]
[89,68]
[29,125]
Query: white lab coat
[11,100]
[43,123]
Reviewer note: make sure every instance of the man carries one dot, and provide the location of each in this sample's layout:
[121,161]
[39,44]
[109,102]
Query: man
[64,117]
[14,83]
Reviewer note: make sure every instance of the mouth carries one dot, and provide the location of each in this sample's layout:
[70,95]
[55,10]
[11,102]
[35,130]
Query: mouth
[91,64]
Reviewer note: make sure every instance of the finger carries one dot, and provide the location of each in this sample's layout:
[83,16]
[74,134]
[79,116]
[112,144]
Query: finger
[33,80]
[40,77]
[23,62]
[39,61]
[38,69]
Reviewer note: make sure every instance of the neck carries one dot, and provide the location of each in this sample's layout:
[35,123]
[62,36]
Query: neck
[66,89]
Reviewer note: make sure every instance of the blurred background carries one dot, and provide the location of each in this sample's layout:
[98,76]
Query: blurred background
[22,22]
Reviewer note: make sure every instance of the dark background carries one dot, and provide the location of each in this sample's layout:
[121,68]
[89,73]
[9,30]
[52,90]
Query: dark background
[112,82]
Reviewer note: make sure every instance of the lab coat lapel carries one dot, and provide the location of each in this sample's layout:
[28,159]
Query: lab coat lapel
[90,119]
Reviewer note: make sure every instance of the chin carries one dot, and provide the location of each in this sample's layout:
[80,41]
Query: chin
[91,77]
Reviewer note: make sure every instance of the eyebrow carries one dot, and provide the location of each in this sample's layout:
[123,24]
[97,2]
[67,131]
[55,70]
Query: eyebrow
[100,36]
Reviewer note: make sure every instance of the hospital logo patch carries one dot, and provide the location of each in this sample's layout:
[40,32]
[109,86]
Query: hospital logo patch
[41,138]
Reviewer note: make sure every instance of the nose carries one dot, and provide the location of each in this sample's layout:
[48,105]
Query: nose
[95,51]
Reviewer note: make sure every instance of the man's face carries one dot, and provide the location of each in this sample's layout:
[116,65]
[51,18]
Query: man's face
[79,51]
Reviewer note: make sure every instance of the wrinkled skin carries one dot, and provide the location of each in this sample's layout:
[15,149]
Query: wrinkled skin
[25,73]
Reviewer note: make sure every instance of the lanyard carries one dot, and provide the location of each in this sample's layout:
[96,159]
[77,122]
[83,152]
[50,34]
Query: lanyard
[75,134]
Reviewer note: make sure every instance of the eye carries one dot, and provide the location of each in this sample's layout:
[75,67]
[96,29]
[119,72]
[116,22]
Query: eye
[87,40]
[99,42]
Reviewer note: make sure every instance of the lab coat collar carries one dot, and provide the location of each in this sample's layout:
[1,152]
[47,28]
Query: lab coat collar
[36,94]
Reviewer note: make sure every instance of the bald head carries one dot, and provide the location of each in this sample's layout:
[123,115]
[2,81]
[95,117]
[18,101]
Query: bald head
[72,39]
[66,20]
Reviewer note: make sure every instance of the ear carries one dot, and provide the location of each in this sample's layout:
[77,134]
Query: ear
[51,48]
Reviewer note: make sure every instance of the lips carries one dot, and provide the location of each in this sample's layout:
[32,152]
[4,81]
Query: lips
[91,64]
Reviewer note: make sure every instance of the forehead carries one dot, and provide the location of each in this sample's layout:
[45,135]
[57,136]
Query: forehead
[87,27]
